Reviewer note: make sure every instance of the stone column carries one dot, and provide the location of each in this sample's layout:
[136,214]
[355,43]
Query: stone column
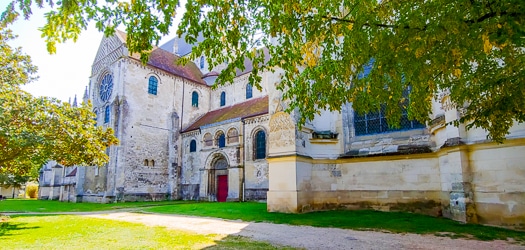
[456,175]
[203,187]
[174,157]
[234,177]
[284,194]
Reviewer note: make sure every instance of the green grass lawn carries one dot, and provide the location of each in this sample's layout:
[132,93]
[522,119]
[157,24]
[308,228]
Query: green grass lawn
[22,205]
[396,222]
[77,232]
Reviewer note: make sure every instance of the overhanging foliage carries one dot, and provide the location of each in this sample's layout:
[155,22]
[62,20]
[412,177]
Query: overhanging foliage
[474,49]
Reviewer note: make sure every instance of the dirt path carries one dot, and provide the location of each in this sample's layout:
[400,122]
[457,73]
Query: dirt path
[305,236]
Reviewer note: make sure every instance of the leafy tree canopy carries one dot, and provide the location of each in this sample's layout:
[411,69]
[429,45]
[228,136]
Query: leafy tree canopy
[9,180]
[474,49]
[35,130]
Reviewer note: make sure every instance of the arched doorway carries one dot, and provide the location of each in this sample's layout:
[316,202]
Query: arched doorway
[218,179]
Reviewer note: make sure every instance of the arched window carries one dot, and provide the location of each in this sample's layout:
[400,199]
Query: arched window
[233,135]
[195,99]
[249,91]
[152,163]
[223,98]
[152,85]
[375,122]
[221,140]
[202,62]
[260,145]
[193,146]
[208,140]
[106,114]
[146,162]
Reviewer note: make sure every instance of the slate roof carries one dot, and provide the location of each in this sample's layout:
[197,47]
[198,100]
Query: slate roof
[250,108]
[183,48]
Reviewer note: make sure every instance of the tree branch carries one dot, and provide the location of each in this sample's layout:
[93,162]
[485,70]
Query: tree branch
[392,26]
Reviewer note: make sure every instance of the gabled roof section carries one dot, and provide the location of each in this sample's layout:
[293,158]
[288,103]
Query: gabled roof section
[113,47]
[167,61]
[72,173]
[250,108]
[109,50]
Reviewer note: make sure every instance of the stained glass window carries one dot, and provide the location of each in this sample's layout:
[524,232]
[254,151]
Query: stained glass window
[221,140]
[375,122]
[249,91]
[223,98]
[106,86]
[152,85]
[195,99]
[260,145]
[106,114]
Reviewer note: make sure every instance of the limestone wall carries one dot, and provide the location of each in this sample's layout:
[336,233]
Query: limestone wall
[386,183]
[143,123]
[192,113]
[7,192]
[256,170]
[94,181]
[325,146]
[143,165]
[498,172]
[192,165]
[236,92]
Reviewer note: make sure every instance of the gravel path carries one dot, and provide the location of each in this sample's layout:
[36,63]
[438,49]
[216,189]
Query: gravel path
[305,236]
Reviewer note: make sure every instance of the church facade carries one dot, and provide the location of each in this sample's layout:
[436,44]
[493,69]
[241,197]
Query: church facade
[182,139]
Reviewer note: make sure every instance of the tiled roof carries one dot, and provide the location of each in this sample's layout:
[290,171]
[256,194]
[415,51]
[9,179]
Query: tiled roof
[165,60]
[250,108]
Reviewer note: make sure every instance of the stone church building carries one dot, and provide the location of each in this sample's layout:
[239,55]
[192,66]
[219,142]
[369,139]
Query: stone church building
[182,139]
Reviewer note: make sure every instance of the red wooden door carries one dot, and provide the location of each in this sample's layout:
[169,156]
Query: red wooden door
[222,188]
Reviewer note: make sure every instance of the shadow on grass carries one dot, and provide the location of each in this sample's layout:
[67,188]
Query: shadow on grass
[240,242]
[7,228]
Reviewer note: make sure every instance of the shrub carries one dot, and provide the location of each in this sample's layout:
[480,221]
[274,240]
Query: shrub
[32,191]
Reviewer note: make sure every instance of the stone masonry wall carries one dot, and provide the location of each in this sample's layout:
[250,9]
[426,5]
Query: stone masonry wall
[497,184]
[256,171]
[383,183]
